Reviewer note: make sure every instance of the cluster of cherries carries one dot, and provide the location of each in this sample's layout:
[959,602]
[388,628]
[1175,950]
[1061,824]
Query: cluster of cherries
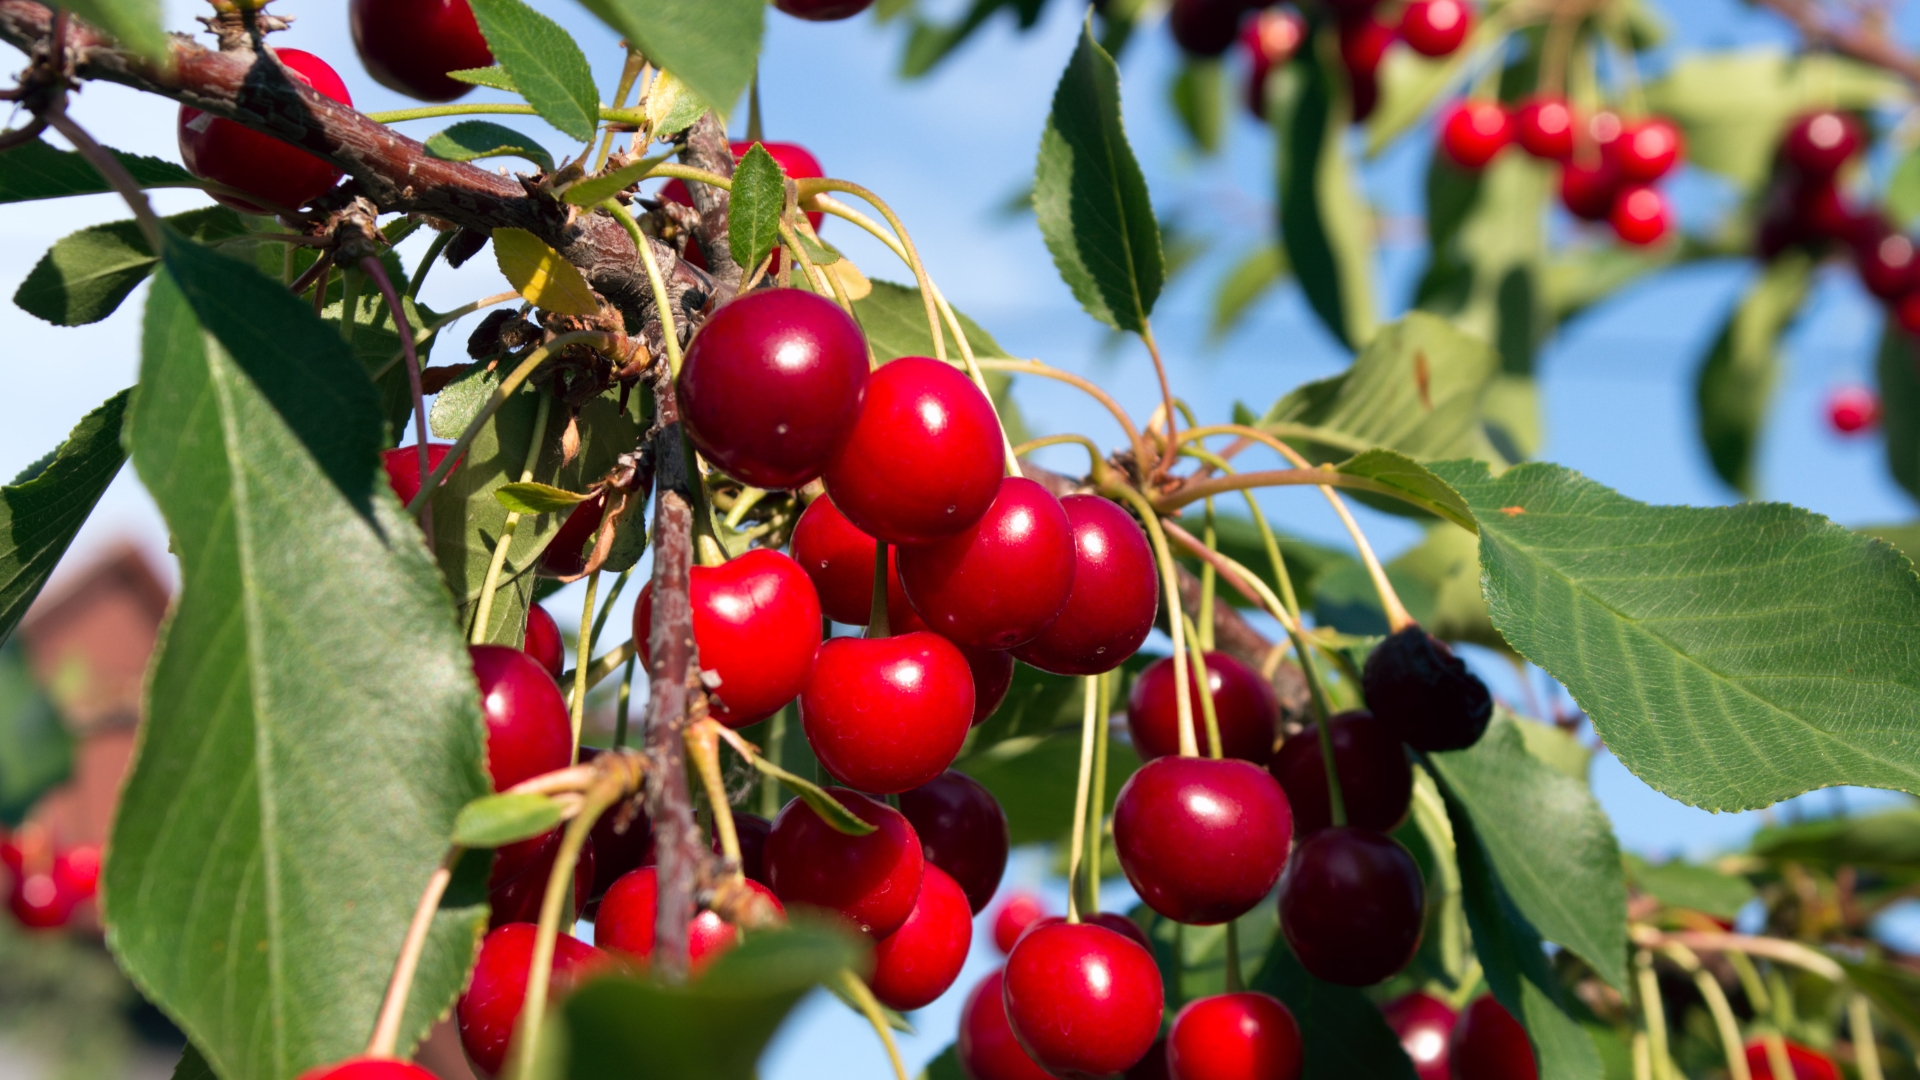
[47,884]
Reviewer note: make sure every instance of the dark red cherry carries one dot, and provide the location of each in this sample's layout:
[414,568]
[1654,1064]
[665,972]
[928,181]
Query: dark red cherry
[1543,126]
[1205,27]
[1435,27]
[1906,312]
[1853,409]
[410,45]
[1888,266]
[751,830]
[999,582]
[616,852]
[992,678]
[1270,37]
[1416,686]
[566,554]
[1424,1025]
[41,901]
[1363,44]
[1020,911]
[986,1046]
[962,831]
[1588,190]
[543,641]
[1115,593]
[1352,905]
[839,559]
[823,10]
[1153,1066]
[628,913]
[1123,926]
[222,150]
[772,384]
[873,880]
[923,460]
[1243,1036]
[1376,782]
[517,885]
[1245,709]
[1640,215]
[529,731]
[1818,143]
[1489,1044]
[1364,88]
[490,1007]
[1807,1063]
[887,714]
[756,622]
[1474,132]
[916,963]
[1646,150]
[1202,841]
[1082,1000]
[1822,211]
[403,467]
[369,1069]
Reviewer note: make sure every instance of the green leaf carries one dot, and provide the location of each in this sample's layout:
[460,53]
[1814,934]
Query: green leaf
[1894,991]
[754,211]
[35,170]
[493,821]
[1681,884]
[711,45]
[930,43]
[944,1066]
[1091,198]
[1032,774]
[1730,657]
[1202,101]
[376,343]
[1903,190]
[546,67]
[311,726]
[534,498]
[1342,1032]
[1324,220]
[133,23]
[599,189]
[471,140]
[36,753]
[1411,483]
[1193,959]
[1736,382]
[829,808]
[41,513]
[1887,842]
[1548,841]
[1898,368]
[495,76]
[671,106]
[1258,273]
[1410,84]
[85,276]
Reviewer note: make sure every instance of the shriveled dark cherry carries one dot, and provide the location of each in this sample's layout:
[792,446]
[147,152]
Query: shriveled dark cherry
[1270,38]
[369,1069]
[1205,27]
[1640,215]
[1416,686]
[542,641]
[1376,781]
[1646,150]
[517,885]
[529,731]
[1082,1000]
[1351,905]
[222,150]
[402,464]
[489,1009]
[823,10]
[1363,44]
[1806,1062]
[1202,841]
[887,714]
[756,621]
[410,45]
[566,554]
[986,1046]
[1021,911]
[1424,1025]
[772,384]
[1109,612]
[918,962]
[1888,266]
[1245,710]
[1474,132]
[873,880]
[839,559]
[1436,27]
[923,460]
[625,924]
[1489,1044]
[1852,410]
[1818,143]
[1587,190]
[1242,1036]
[1543,126]
[992,678]
[1000,581]
[962,831]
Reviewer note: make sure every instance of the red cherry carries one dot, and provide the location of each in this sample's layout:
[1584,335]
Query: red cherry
[1647,150]
[1906,312]
[369,1069]
[1376,782]
[1489,1044]
[1424,1025]
[923,460]
[986,1047]
[1244,705]
[1082,1000]
[1640,215]
[916,963]
[992,678]
[1020,911]
[1436,27]
[1202,841]
[1887,264]
[77,869]
[566,554]
[517,885]
[41,901]
[1363,44]
[1365,90]
[410,45]
[1270,38]
[839,559]
[999,582]
[403,467]
[1818,143]
[962,831]
[1853,409]
[771,385]
[888,714]
[873,880]
[751,831]
[543,641]
[1115,593]
[823,10]
[1822,211]
[1808,1064]
[1543,126]
[489,1009]
[1587,191]
[1205,27]
[627,917]
[529,731]
[223,151]
[1474,132]
[1112,920]
[756,622]
[1351,905]
[1243,1036]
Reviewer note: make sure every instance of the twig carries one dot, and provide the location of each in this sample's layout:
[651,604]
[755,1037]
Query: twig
[386,1031]
[372,268]
[1856,42]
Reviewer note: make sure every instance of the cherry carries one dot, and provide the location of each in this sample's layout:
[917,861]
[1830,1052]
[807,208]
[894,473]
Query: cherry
[992,678]
[751,831]
[403,467]
[756,623]
[566,554]
[1244,705]
[1112,920]
[369,1069]
[1807,1064]
[410,45]
[1647,150]
[923,460]
[1270,38]
[490,1008]
[517,885]
[1587,191]
[1416,685]
[1818,143]
[41,901]
[542,641]
[1887,265]
[1363,44]
[1822,211]
[78,870]
[1906,312]
[1115,593]
[986,1046]
[1153,1066]
[1853,409]
[1474,132]
[1351,905]
[1243,1036]
[616,852]
[1364,88]
[1424,1025]
[823,10]
[1543,126]
[916,963]
[771,385]
[888,714]
[1376,782]
[1082,1000]
[999,582]
[873,880]
[1436,27]
[839,559]
[628,913]
[1205,27]
[1640,215]
[529,731]
[962,831]
[1020,911]
[1489,1044]
[224,151]
[1202,841]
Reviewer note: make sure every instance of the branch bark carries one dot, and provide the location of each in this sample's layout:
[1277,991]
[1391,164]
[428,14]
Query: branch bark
[1865,43]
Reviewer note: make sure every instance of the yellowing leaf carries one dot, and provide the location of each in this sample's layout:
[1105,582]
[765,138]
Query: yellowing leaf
[541,275]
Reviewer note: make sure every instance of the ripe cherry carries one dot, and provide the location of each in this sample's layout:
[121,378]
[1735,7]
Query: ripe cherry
[1202,841]
[1588,190]
[41,901]
[1244,705]
[628,913]
[888,714]
[1640,215]
[490,1008]
[566,554]
[1887,264]
[916,963]
[517,885]
[403,467]
[1818,143]
[1352,905]
[1906,312]
[751,830]
[756,622]
[1376,782]
[1205,27]
[529,731]
[1243,1036]
[1807,1063]
[1823,212]
[992,678]
[369,1069]
[1436,27]
[923,460]
[1474,132]
[616,852]
[1109,611]
[1020,911]
[1363,44]
[771,385]
[78,870]
[1853,409]
[1489,1044]
[1416,686]
[986,1046]
[410,45]
[839,559]
[223,151]
[1424,1025]
[1364,88]
[542,641]
[1153,1066]
[1082,1000]
[1000,581]
[1270,37]
[1646,150]
[823,10]
[873,880]
[1112,920]
[962,831]
[1543,126]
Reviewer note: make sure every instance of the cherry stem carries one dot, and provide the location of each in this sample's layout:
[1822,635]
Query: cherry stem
[668,331]
[878,623]
[599,669]
[1082,788]
[1235,983]
[483,611]
[559,896]
[805,228]
[629,73]
[703,745]
[1097,803]
[1166,395]
[1779,950]
[1866,1050]
[1176,629]
[393,1008]
[1208,574]
[1779,1063]
[856,988]
[584,647]
[1035,367]
[434,247]
[622,710]
[1654,1014]
[1204,678]
[350,283]
[372,268]
[906,248]
[773,754]
[1725,1025]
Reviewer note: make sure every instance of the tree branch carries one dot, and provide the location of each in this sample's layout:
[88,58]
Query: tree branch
[1860,42]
